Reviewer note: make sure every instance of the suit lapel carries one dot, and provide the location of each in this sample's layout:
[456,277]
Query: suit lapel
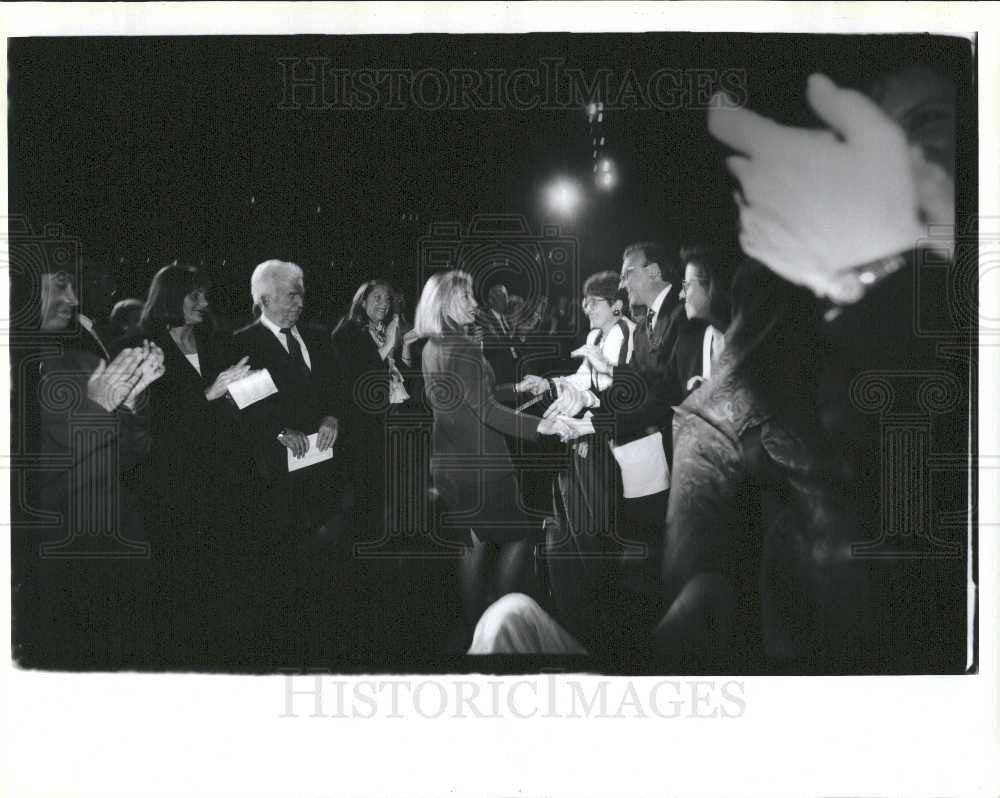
[271,350]
[175,361]
[664,319]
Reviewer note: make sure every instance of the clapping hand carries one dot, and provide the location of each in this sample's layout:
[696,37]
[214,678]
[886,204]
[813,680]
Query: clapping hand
[150,370]
[817,203]
[595,357]
[536,386]
[410,337]
[109,385]
[235,372]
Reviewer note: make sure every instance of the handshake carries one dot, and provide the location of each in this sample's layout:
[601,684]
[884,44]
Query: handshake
[558,418]
[566,427]
[121,382]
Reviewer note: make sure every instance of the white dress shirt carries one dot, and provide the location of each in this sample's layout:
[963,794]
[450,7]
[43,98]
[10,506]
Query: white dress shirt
[87,324]
[708,350]
[274,328]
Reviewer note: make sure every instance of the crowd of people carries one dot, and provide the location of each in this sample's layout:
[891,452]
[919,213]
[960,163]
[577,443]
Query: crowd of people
[231,500]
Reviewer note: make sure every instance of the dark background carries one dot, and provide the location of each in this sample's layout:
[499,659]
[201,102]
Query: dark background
[150,149]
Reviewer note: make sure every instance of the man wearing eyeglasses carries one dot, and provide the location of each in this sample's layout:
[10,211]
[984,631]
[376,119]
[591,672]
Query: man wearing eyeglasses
[643,392]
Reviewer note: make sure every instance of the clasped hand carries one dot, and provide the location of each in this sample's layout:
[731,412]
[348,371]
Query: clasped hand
[298,442]
[570,402]
[556,425]
[536,386]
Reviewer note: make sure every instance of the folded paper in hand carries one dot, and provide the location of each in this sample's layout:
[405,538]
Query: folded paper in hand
[643,465]
[252,388]
[311,457]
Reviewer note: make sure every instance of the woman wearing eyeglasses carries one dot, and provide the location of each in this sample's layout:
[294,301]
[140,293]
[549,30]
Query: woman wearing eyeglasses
[613,508]
[706,299]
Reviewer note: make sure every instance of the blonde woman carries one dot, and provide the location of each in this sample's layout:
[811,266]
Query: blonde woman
[470,464]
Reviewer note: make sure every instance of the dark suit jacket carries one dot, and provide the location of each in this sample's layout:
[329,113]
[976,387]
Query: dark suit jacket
[497,346]
[644,392]
[85,484]
[687,357]
[362,377]
[302,399]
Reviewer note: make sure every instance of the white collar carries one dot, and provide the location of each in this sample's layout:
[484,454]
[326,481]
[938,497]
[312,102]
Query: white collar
[658,302]
[274,327]
[88,324]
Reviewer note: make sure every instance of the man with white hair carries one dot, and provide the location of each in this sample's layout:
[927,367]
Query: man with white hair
[290,511]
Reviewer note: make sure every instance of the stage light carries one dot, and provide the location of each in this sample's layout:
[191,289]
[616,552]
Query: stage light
[564,196]
[606,180]
[606,165]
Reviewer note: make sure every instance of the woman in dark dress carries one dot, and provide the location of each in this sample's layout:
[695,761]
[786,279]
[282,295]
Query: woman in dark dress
[470,464]
[370,347]
[188,467]
[371,352]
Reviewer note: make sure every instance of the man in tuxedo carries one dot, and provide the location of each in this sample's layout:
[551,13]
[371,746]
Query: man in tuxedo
[290,512]
[499,342]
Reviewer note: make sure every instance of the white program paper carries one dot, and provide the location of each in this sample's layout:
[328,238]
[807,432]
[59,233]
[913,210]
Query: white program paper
[643,465]
[311,457]
[252,388]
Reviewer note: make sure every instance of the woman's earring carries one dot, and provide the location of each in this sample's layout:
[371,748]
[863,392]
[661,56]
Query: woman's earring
[616,311]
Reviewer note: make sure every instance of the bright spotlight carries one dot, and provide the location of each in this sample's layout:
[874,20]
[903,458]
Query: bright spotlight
[592,109]
[606,180]
[564,196]
[606,165]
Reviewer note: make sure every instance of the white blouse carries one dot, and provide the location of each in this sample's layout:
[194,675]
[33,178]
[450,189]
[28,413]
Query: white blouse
[585,378]
[193,360]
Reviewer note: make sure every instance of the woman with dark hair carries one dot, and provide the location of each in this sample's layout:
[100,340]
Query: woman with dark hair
[369,346]
[186,410]
[371,352]
[705,292]
[188,474]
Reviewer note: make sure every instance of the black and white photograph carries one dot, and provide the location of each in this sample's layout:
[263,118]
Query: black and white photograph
[548,355]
